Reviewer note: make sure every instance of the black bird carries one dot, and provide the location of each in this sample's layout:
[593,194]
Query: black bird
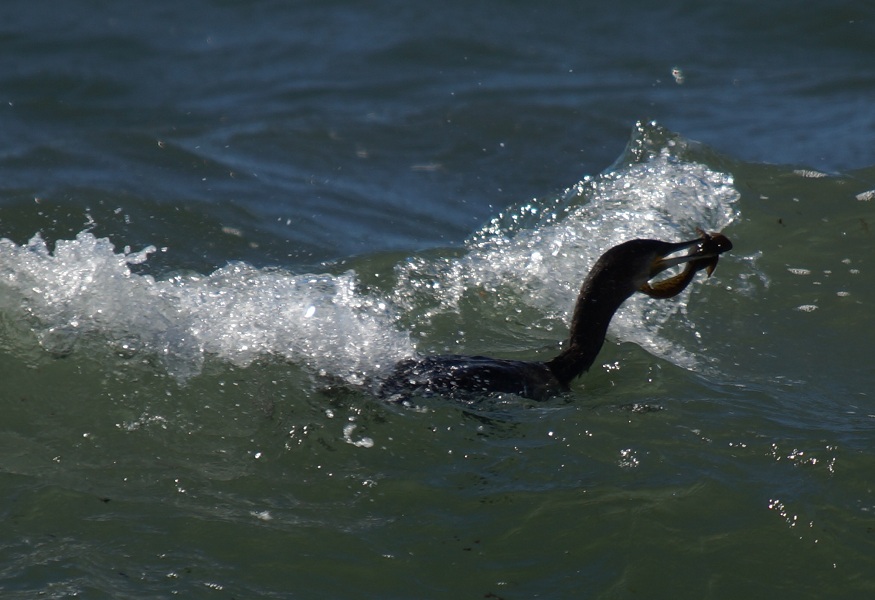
[619,273]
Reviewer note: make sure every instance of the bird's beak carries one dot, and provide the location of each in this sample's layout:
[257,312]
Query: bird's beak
[667,259]
[708,246]
[704,253]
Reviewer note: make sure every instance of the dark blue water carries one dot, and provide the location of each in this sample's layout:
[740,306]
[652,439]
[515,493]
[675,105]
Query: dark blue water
[221,220]
[372,120]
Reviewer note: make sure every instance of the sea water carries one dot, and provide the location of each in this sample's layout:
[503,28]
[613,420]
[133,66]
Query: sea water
[222,222]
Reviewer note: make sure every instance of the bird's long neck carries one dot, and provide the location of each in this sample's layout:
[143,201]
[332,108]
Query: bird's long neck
[600,297]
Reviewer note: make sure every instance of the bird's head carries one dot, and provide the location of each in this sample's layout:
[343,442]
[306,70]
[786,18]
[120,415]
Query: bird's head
[634,264]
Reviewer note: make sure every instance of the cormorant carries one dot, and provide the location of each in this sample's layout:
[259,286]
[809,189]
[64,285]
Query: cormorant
[619,273]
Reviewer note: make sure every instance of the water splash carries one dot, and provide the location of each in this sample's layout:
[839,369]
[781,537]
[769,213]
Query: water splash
[238,313]
[536,255]
[542,251]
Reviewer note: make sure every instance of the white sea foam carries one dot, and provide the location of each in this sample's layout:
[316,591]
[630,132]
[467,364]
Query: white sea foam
[538,254]
[238,313]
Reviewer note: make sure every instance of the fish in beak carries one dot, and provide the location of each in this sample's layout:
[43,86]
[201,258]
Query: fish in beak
[703,254]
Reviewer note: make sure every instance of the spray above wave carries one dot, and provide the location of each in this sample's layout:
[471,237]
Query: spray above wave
[536,255]
[540,252]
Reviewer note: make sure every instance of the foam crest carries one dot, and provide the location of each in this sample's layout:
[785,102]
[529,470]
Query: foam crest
[84,289]
[323,321]
[536,255]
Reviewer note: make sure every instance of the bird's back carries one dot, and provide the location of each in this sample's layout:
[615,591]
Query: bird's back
[467,376]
